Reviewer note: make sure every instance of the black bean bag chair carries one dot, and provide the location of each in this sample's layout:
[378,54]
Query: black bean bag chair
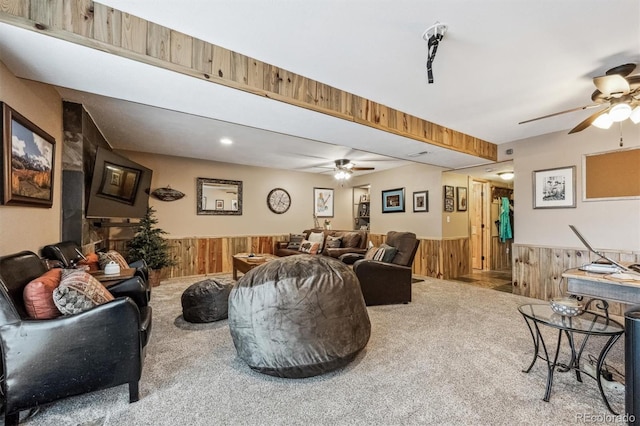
[205,301]
[298,316]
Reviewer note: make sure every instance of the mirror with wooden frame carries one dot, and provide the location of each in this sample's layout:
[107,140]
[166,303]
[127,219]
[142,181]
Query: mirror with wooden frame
[219,196]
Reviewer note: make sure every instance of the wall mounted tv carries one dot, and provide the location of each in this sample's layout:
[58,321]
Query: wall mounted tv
[119,187]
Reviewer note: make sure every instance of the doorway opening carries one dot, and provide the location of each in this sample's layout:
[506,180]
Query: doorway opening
[491,214]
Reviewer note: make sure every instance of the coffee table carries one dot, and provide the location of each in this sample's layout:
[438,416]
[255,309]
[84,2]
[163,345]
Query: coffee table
[110,279]
[244,263]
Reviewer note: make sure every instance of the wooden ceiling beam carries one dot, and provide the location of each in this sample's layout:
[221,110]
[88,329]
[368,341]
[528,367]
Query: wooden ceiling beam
[97,26]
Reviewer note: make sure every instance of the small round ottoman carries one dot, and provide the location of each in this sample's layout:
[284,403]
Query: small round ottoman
[298,316]
[205,301]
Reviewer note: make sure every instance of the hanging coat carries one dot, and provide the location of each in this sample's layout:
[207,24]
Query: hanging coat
[505,221]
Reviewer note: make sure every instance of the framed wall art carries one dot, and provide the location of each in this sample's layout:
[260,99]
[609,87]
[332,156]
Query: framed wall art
[219,204]
[448,204]
[323,202]
[461,195]
[393,200]
[448,191]
[554,188]
[421,201]
[28,161]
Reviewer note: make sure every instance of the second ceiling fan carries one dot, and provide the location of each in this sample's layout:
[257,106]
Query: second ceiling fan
[618,91]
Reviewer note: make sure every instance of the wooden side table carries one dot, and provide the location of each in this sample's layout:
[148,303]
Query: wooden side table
[244,263]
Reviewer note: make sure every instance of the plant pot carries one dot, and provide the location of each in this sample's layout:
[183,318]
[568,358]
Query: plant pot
[154,277]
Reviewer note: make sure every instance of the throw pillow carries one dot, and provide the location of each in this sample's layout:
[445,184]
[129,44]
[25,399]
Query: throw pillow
[38,295]
[389,253]
[294,241]
[317,237]
[370,254]
[112,255]
[333,242]
[91,260]
[378,253]
[351,240]
[309,247]
[78,292]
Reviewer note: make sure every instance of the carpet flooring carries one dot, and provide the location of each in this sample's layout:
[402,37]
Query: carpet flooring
[453,356]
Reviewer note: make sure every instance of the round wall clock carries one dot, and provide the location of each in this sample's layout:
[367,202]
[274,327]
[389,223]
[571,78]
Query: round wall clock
[278,200]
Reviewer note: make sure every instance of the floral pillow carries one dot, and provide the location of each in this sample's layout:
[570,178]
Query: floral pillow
[114,256]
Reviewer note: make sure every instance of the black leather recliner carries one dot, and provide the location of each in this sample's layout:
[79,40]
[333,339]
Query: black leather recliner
[46,360]
[388,283]
[69,253]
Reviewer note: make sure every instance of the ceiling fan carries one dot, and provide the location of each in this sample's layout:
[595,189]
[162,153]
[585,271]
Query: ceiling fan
[345,167]
[618,92]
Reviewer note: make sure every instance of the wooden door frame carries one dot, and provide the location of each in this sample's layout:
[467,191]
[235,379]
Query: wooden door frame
[486,215]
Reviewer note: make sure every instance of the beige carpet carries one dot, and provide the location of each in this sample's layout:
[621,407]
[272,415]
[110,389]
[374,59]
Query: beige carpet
[453,356]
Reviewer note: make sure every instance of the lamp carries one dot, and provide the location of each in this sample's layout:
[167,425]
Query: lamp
[603,121]
[342,174]
[620,112]
[635,115]
[506,175]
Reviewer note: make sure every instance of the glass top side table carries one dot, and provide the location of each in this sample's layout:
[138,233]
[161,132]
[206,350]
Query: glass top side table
[587,324]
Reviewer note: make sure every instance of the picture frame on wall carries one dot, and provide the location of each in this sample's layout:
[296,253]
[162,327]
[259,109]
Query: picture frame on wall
[461,196]
[554,188]
[448,191]
[219,204]
[393,200]
[421,201]
[28,161]
[119,183]
[448,204]
[323,202]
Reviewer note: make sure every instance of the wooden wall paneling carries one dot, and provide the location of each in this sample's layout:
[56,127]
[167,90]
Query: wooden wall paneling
[134,33]
[525,273]
[80,17]
[18,8]
[239,68]
[221,62]
[285,84]
[38,11]
[181,51]
[255,74]
[214,255]
[107,25]
[158,41]
[202,256]
[202,56]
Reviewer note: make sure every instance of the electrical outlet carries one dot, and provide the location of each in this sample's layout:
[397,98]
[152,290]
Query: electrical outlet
[448,219]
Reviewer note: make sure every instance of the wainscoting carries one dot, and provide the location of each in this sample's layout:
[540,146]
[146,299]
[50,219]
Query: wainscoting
[538,271]
[197,256]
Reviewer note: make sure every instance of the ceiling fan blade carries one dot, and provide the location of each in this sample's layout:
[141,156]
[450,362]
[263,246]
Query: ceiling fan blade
[362,168]
[612,85]
[586,123]
[558,113]
[623,70]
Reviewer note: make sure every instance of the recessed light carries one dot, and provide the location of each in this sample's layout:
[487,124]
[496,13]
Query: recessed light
[226,141]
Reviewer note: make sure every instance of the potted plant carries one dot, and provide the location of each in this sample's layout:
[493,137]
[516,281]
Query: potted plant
[148,244]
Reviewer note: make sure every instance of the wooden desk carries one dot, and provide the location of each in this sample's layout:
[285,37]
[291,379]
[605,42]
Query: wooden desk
[111,279]
[602,286]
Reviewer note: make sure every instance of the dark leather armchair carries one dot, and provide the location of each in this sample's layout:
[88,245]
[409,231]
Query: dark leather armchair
[68,253]
[388,283]
[46,360]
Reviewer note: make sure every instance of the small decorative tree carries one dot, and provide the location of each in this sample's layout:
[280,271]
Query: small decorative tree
[148,244]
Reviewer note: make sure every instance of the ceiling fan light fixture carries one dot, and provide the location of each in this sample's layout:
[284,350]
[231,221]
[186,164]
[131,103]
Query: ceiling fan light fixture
[635,115]
[603,121]
[342,175]
[506,175]
[620,112]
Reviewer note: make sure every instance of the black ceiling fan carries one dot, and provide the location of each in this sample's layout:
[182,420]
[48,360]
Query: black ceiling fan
[617,91]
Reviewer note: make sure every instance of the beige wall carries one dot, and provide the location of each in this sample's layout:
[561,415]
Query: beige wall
[413,178]
[179,217]
[30,228]
[613,225]
[455,224]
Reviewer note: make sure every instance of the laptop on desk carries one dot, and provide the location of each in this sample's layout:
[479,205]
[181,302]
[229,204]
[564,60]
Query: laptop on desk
[601,268]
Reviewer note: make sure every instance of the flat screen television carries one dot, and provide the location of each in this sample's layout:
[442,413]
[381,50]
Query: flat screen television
[119,187]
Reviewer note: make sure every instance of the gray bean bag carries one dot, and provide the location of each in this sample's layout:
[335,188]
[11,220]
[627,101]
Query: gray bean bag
[205,301]
[298,316]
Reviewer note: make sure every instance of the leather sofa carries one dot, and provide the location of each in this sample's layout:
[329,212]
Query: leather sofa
[281,249]
[69,253]
[46,360]
[384,283]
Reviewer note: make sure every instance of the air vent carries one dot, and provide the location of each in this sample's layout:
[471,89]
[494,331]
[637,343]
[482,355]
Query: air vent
[417,154]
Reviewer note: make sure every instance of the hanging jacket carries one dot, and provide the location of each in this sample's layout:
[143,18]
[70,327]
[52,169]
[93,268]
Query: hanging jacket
[505,221]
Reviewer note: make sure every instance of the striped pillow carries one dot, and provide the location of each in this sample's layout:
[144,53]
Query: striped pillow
[112,255]
[78,292]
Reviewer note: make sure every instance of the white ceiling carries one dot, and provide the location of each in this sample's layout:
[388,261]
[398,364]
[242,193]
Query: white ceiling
[501,62]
